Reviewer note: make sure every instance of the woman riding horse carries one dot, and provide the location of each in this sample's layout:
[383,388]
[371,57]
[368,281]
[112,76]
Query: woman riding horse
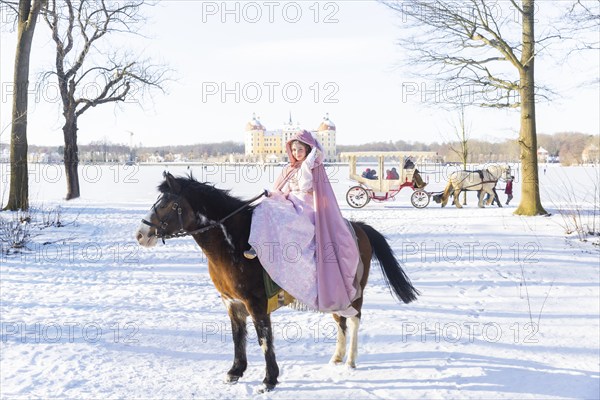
[303,242]
[220,224]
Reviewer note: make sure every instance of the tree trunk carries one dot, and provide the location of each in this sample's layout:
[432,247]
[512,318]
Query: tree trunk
[71,157]
[530,191]
[18,197]
[465,168]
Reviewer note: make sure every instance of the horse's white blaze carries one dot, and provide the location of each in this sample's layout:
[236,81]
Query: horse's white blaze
[144,236]
[353,324]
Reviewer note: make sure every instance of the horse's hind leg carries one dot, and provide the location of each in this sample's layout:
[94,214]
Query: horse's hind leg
[353,324]
[340,344]
[237,314]
[347,329]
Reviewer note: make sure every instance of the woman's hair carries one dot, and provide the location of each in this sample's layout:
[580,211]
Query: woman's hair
[306,146]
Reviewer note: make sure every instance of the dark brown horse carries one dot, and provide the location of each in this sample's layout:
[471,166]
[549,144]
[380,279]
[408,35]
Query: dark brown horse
[220,224]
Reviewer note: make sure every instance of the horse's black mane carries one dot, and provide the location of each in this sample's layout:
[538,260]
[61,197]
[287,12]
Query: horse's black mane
[204,195]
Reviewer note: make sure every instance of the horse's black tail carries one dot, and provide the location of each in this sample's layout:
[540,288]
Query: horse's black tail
[396,278]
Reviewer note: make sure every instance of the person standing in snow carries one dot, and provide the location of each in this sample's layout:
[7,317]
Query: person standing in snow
[509,189]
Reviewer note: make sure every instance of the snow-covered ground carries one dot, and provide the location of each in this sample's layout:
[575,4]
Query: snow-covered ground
[510,306]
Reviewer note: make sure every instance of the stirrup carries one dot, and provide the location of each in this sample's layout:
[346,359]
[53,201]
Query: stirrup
[250,254]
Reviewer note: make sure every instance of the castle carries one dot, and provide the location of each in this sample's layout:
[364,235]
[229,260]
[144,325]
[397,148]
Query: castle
[262,145]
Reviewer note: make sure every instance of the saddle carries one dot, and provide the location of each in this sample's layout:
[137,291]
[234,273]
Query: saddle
[276,296]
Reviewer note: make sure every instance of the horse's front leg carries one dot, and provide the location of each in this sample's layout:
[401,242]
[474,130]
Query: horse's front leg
[491,199]
[483,196]
[457,198]
[264,332]
[237,314]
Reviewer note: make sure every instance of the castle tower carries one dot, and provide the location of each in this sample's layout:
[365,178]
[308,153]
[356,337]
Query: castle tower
[254,136]
[326,135]
[287,132]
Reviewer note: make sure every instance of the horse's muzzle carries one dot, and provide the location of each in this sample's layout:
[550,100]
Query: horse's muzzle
[144,237]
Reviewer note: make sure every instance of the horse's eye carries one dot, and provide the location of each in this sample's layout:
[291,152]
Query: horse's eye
[164,203]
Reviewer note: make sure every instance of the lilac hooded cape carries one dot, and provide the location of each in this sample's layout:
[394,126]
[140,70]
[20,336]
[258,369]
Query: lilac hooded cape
[337,255]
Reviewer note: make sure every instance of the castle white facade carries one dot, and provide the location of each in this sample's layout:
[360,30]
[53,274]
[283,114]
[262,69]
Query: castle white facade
[269,146]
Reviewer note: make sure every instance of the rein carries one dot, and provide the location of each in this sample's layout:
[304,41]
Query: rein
[477,184]
[182,232]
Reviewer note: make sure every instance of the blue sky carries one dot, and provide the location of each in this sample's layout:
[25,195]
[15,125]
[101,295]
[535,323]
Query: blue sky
[276,58]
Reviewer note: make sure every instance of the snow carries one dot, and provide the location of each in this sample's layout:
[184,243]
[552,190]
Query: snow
[510,305]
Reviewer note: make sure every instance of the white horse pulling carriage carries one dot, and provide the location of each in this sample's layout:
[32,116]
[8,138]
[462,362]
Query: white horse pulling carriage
[483,180]
[382,189]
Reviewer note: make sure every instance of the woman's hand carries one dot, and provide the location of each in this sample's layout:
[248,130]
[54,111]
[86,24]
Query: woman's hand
[312,156]
[276,194]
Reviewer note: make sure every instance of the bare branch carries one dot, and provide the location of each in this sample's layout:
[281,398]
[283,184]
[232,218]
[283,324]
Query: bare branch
[466,43]
[582,22]
[12,5]
[517,7]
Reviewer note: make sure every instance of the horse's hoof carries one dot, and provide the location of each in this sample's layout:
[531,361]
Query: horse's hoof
[335,361]
[231,379]
[267,387]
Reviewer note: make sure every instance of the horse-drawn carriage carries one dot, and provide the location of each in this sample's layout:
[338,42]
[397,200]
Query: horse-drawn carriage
[383,188]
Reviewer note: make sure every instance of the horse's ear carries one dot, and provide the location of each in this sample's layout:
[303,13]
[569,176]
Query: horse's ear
[173,185]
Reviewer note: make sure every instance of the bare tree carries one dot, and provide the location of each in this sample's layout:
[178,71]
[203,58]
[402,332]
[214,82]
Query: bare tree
[27,15]
[471,45]
[461,146]
[581,25]
[583,19]
[78,30]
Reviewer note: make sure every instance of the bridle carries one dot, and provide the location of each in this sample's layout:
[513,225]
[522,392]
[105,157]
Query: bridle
[162,225]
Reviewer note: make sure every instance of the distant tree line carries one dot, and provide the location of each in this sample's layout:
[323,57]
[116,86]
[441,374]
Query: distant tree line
[105,150]
[568,146]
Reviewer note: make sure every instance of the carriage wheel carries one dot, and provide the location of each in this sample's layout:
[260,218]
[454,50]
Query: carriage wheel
[357,197]
[419,199]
